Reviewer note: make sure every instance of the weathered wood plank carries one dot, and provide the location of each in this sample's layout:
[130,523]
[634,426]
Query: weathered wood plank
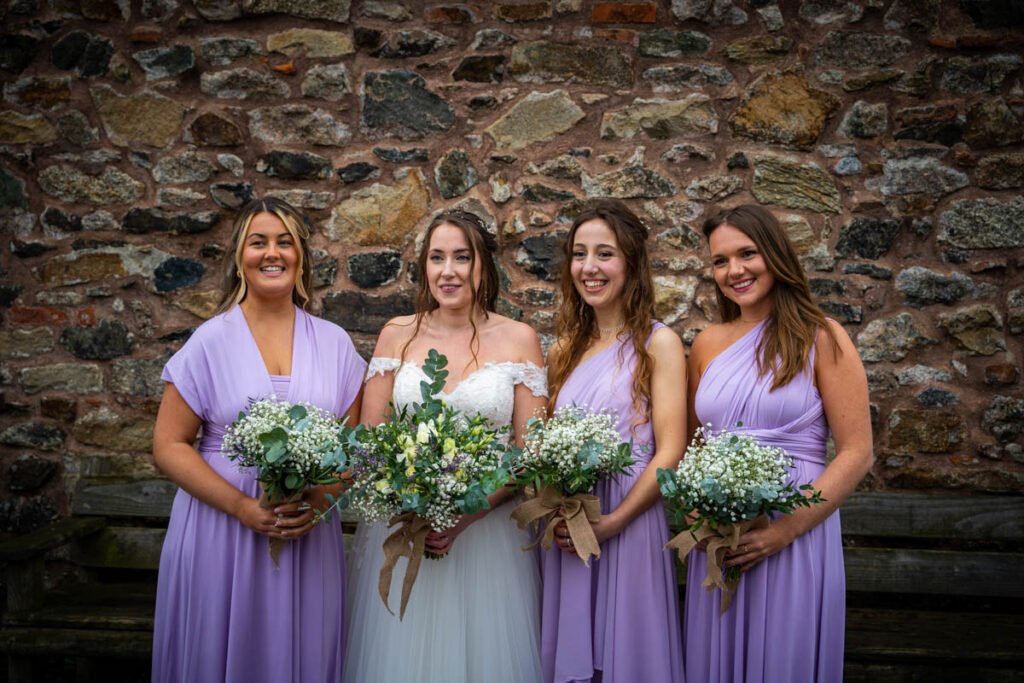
[934,572]
[871,672]
[933,637]
[916,515]
[53,536]
[47,642]
[121,547]
[126,547]
[139,498]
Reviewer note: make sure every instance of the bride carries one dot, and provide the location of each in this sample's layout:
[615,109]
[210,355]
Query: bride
[473,615]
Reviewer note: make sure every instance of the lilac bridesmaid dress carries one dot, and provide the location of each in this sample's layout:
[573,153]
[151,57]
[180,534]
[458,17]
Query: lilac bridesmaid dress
[787,621]
[223,612]
[618,620]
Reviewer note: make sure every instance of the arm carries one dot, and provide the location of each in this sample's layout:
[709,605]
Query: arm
[526,405]
[843,386]
[173,436]
[668,416]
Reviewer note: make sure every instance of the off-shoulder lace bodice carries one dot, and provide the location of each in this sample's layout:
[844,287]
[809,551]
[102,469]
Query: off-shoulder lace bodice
[489,391]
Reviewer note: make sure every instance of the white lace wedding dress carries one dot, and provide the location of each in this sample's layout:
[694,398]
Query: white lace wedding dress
[473,616]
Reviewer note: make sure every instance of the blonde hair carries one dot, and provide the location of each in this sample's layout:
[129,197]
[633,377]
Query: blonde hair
[297,225]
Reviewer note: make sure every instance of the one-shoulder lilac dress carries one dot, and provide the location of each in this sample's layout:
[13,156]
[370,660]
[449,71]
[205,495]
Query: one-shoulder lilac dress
[223,612]
[618,620]
[787,621]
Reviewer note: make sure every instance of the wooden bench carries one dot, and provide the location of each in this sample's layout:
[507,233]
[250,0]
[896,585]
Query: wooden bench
[935,587]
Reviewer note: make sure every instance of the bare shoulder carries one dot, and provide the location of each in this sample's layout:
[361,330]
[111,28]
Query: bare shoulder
[825,351]
[518,338]
[709,339]
[665,341]
[394,335]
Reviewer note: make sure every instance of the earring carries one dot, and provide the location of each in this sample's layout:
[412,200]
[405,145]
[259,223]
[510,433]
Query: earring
[239,274]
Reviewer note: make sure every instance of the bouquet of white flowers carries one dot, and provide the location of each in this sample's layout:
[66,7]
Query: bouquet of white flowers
[726,485]
[423,468]
[290,445]
[564,457]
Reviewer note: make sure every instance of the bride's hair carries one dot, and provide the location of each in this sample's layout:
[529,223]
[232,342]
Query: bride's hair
[577,325]
[483,247]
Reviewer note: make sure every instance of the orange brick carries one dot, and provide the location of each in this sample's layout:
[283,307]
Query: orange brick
[624,13]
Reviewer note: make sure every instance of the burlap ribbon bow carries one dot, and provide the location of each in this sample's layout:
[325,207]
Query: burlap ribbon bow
[409,540]
[722,539]
[578,510]
[266,502]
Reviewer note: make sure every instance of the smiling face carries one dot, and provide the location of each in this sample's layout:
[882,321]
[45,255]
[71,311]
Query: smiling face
[740,271]
[451,268]
[270,258]
[598,267]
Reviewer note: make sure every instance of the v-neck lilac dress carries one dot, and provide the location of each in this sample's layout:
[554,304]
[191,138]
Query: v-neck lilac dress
[787,621]
[618,620]
[223,612]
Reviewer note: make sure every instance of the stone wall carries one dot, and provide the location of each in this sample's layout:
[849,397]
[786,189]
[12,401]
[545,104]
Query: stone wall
[888,135]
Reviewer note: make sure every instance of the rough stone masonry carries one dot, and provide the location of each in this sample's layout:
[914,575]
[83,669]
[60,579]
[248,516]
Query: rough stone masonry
[888,135]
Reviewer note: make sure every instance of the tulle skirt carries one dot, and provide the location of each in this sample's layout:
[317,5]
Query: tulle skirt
[472,616]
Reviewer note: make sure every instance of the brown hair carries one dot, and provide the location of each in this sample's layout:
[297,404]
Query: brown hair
[298,227]
[577,325]
[483,246]
[785,346]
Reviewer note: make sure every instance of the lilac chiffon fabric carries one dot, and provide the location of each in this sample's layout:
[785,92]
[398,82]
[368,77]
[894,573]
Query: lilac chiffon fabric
[223,612]
[618,620]
[787,621]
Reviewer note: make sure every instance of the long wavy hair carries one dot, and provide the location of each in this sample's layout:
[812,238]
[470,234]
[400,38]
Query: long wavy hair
[788,337]
[483,246]
[577,324]
[297,225]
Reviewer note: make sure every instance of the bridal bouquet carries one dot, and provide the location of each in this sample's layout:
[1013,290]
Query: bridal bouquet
[564,457]
[423,468]
[726,485]
[290,445]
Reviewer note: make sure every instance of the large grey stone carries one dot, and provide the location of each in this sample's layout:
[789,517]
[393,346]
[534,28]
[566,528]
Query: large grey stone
[1001,171]
[794,185]
[628,183]
[138,377]
[538,117]
[221,50]
[662,119]
[866,237]
[546,62]
[856,49]
[922,286]
[326,82]
[165,62]
[74,378]
[330,10]
[720,12]
[983,224]
[297,124]
[1004,418]
[454,174]
[69,184]
[242,84]
[39,435]
[188,167]
[25,343]
[891,339]
[970,76]
[977,329]
[147,117]
[107,429]
[397,104]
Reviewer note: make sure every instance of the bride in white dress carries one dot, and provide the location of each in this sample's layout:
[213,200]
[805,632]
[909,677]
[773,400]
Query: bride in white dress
[473,616]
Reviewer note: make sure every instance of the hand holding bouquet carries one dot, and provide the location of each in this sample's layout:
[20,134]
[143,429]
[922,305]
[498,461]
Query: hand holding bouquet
[726,485]
[564,458]
[424,468]
[291,446]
